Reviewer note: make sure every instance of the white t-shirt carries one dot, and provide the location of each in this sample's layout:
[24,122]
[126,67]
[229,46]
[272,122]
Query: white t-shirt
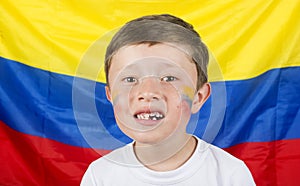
[208,166]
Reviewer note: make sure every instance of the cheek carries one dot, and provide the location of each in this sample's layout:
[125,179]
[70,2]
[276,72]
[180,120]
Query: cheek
[186,101]
[120,98]
[120,106]
[182,102]
[187,93]
[117,108]
[186,107]
[183,106]
[115,96]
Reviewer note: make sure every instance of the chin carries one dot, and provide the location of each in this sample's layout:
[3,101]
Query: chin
[149,138]
[156,135]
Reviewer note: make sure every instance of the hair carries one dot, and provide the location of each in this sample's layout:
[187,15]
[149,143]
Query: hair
[163,28]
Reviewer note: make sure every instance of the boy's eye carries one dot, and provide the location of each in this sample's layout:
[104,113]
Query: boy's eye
[130,80]
[168,78]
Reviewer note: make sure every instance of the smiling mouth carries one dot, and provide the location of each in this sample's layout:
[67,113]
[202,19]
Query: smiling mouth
[149,116]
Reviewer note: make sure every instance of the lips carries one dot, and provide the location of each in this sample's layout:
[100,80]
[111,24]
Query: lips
[156,115]
[149,114]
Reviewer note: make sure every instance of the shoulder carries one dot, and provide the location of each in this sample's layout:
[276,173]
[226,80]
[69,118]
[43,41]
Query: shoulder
[107,166]
[229,168]
[117,158]
[218,155]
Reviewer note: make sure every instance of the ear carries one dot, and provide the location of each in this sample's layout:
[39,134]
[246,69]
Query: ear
[200,97]
[108,94]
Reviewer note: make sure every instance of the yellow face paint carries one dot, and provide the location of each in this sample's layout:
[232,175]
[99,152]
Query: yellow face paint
[114,96]
[189,91]
[187,94]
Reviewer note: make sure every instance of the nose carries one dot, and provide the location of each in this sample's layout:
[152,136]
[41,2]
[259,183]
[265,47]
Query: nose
[149,90]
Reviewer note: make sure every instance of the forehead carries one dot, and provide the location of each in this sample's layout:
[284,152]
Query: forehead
[129,55]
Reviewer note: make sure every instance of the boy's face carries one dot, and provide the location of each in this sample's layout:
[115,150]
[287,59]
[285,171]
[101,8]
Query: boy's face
[153,91]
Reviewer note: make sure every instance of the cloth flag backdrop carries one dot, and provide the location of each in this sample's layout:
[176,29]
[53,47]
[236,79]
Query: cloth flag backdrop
[42,43]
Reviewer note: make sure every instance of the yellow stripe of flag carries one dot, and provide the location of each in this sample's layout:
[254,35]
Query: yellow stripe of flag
[247,37]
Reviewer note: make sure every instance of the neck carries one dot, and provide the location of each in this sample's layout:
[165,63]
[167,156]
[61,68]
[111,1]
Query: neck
[167,155]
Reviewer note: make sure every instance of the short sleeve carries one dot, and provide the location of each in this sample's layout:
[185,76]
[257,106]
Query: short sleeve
[88,178]
[241,176]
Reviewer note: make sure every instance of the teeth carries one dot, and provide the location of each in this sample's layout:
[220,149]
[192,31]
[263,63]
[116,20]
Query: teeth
[150,116]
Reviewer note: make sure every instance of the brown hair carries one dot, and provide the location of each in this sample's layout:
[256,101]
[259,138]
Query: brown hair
[162,28]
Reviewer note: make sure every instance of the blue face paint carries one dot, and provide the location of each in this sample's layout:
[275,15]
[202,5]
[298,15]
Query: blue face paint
[187,94]
[187,99]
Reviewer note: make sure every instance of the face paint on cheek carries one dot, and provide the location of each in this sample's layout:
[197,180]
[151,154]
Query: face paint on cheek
[120,94]
[115,97]
[116,103]
[120,100]
[187,100]
[121,108]
[187,95]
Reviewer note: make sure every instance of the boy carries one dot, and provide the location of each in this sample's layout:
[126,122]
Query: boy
[156,71]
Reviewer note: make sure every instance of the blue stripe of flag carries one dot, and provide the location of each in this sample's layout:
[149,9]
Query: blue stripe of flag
[39,102]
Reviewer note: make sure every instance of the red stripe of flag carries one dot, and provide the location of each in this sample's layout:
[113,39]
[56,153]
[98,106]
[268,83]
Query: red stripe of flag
[32,160]
[271,163]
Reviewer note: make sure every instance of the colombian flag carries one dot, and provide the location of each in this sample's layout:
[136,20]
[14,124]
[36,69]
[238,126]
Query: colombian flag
[50,101]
